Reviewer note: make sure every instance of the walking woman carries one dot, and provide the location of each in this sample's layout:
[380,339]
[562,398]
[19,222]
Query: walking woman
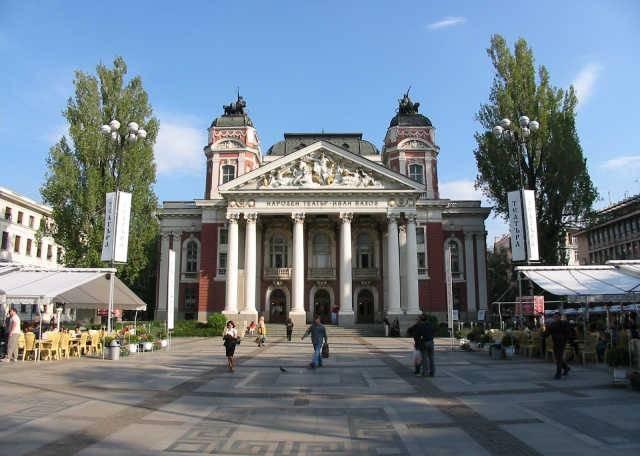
[262,332]
[230,336]
[289,329]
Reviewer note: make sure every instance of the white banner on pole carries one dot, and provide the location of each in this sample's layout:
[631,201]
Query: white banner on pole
[123,215]
[170,287]
[531,225]
[449,283]
[516,226]
[109,227]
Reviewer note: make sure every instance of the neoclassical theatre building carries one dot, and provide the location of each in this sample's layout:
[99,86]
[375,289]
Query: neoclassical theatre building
[322,223]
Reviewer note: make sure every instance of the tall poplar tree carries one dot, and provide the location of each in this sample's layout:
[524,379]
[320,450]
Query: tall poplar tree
[85,166]
[554,165]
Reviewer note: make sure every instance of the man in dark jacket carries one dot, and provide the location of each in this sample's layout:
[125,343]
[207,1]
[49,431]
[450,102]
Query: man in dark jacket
[318,338]
[423,337]
[560,332]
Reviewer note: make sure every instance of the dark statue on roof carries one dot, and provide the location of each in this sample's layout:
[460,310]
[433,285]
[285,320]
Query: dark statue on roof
[406,106]
[236,108]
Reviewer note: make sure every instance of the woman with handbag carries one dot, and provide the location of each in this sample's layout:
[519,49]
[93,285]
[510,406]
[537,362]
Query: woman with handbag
[230,337]
[262,332]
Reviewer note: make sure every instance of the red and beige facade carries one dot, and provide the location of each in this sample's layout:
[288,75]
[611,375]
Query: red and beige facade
[322,222]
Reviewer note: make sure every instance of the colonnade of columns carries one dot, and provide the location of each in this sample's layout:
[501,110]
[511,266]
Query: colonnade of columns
[298,274]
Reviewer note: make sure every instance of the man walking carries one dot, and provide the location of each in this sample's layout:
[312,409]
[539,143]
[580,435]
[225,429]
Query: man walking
[318,338]
[560,331]
[14,336]
[423,337]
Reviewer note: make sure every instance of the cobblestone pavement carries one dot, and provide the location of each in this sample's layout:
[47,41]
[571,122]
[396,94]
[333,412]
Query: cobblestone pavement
[364,401]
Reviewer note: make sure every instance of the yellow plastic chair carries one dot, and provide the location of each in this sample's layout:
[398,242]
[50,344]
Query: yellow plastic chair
[80,347]
[64,345]
[21,345]
[548,348]
[54,350]
[589,349]
[29,345]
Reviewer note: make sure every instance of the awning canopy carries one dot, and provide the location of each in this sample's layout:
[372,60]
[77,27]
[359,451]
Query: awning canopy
[80,288]
[584,281]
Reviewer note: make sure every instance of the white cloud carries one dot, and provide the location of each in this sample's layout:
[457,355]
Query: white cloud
[459,190]
[179,146]
[585,81]
[449,21]
[624,162]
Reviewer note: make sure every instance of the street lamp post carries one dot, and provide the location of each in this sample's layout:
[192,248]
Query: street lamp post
[134,134]
[508,132]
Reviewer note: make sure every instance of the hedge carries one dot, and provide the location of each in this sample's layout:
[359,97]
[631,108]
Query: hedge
[192,328]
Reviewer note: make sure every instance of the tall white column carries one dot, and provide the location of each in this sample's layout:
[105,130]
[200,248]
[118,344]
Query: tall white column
[231,298]
[250,264]
[470,273]
[481,248]
[298,264]
[346,265]
[413,299]
[393,265]
[161,304]
[177,247]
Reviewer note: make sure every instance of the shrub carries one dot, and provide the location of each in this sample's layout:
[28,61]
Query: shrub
[617,357]
[486,338]
[508,340]
[192,328]
[475,334]
[442,330]
[217,321]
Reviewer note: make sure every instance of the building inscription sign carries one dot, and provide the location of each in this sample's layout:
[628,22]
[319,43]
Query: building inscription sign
[323,203]
[320,205]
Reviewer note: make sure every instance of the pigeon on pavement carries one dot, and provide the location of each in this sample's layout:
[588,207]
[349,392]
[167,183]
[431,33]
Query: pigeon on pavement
[282,369]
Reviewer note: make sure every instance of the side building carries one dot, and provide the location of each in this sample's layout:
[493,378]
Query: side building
[615,235]
[321,223]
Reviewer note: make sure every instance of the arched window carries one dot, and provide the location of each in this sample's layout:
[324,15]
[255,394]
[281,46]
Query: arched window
[416,173]
[278,252]
[192,257]
[456,259]
[365,251]
[321,251]
[228,173]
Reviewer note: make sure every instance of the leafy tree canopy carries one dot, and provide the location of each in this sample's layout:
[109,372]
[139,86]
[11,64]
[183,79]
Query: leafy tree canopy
[554,165]
[85,166]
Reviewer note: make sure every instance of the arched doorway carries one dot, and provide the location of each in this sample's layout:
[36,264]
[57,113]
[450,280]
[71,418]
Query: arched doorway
[365,312]
[278,306]
[322,305]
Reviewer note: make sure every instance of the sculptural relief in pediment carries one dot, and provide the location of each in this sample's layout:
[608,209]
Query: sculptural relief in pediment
[317,170]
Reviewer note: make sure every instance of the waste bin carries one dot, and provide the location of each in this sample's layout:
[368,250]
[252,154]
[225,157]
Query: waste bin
[114,350]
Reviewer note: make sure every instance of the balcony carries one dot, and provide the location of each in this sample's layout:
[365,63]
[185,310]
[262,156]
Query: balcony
[365,273]
[222,272]
[322,273]
[277,273]
[190,276]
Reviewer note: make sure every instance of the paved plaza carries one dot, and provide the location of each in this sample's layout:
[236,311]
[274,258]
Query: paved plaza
[365,401]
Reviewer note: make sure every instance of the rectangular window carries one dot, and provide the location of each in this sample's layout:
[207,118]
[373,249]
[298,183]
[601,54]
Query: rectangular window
[5,240]
[34,309]
[20,216]
[49,252]
[29,243]
[422,260]
[16,244]
[223,261]
[419,235]
[39,250]
[7,213]
[31,221]
[59,255]
[224,236]
[23,308]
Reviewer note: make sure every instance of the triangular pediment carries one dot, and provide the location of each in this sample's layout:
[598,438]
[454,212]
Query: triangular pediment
[321,166]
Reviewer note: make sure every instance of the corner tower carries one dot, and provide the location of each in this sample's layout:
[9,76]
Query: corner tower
[233,147]
[410,148]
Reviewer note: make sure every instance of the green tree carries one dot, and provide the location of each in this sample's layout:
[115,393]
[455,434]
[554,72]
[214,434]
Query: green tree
[554,165]
[82,168]
[499,272]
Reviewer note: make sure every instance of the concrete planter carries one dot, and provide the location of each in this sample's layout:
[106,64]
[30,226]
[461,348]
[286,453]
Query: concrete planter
[509,352]
[133,348]
[164,343]
[147,346]
[619,374]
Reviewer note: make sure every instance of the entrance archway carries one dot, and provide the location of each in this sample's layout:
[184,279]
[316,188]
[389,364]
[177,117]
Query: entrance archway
[322,305]
[365,309]
[278,306]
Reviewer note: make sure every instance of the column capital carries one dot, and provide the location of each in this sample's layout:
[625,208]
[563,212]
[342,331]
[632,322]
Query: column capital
[412,218]
[298,217]
[176,233]
[346,217]
[233,217]
[165,236]
[393,218]
[251,217]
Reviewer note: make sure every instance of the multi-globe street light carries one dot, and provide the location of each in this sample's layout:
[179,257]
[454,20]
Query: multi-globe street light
[134,134]
[506,131]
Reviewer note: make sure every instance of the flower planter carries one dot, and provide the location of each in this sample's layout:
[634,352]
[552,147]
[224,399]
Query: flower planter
[509,352]
[619,374]
[164,343]
[133,348]
[147,346]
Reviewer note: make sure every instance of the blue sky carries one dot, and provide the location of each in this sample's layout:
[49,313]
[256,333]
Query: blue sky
[313,65]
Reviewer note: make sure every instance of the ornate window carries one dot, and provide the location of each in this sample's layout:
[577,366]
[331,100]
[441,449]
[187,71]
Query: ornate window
[364,256]
[192,257]
[421,246]
[278,252]
[223,235]
[456,258]
[190,303]
[416,172]
[321,251]
[228,173]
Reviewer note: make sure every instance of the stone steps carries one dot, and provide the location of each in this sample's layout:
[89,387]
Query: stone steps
[275,330]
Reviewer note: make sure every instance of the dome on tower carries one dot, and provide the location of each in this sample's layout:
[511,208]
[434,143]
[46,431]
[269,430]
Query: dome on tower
[234,115]
[408,115]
